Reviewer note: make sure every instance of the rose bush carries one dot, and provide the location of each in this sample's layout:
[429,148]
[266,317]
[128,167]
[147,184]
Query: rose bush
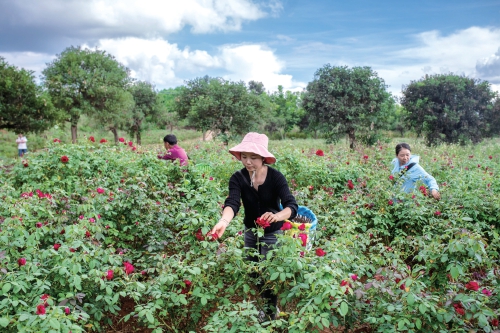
[110,223]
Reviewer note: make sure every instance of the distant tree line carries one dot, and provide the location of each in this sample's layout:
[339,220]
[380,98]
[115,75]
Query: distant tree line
[339,102]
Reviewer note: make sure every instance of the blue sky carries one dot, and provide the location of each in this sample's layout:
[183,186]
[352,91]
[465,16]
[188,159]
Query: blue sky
[276,42]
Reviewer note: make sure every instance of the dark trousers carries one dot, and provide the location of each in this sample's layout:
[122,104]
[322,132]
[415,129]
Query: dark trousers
[263,244]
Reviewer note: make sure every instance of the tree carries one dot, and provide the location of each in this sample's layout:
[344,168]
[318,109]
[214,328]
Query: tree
[147,107]
[342,100]
[167,98]
[219,105]
[493,119]
[287,111]
[449,108]
[24,106]
[82,81]
[256,87]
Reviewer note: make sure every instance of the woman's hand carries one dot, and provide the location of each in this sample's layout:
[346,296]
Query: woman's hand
[436,194]
[219,228]
[270,217]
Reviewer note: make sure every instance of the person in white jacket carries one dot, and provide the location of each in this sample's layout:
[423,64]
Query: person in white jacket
[21,144]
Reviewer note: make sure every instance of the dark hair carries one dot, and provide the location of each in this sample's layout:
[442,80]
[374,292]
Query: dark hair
[400,146]
[170,138]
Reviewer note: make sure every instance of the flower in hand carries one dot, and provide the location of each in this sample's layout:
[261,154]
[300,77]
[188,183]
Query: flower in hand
[262,223]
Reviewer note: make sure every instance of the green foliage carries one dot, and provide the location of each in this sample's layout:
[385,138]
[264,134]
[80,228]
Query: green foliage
[147,107]
[405,266]
[342,100]
[286,114]
[24,106]
[450,108]
[222,106]
[91,82]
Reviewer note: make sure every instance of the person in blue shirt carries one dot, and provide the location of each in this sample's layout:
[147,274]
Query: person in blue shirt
[407,167]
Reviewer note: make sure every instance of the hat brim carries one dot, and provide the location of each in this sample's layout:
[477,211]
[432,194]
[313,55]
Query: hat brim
[250,147]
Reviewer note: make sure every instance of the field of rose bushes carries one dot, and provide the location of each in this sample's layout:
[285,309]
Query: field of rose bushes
[86,228]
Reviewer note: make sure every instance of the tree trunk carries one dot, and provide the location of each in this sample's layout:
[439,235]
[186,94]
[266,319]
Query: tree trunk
[115,133]
[352,139]
[73,133]
[205,136]
[138,138]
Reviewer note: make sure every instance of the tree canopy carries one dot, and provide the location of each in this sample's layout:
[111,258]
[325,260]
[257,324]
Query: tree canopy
[146,107]
[82,81]
[219,105]
[342,100]
[286,111]
[24,106]
[449,108]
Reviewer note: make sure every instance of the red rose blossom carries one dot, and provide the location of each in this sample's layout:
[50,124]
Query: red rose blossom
[354,277]
[262,223]
[92,139]
[40,310]
[303,238]
[472,285]
[390,202]
[64,159]
[57,246]
[319,152]
[21,261]
[437,213]
[286,226]
[67,311]
[350,185]
[320,252]
[121,139]
[490,157]
[56,140]
[129,268]
[391,177]
[199,235]
[130,143]
[486,292]
[100,190]
[38,225]
[103,141]
[302,227]
[109,275]
[494,322]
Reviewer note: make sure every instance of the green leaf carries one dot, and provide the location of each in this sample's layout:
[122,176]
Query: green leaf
[4,321]
[422,308]
[418,323]
[275,275]
[454,272]
[150,317]
[343,309]
[401,325]
[203,300]
[6,287]
[410,299]
[54,323]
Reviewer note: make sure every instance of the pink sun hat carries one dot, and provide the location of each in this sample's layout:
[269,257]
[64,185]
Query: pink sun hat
[254,143]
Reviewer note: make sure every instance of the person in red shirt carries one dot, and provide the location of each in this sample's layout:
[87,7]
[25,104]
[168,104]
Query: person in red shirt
[174,152]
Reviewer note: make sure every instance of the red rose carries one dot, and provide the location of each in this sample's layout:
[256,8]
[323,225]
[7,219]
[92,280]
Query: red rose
[100,190]
[57,140]
[390,202]
[472,285]
[320,252]
[109,274]
[286,226]
[365,157]
[423,189]
[302,227]
[87,234]
[199,235]
[38,224]
[350,184]
[71,249]
[103,141]
[21,261]
[67,311]
[319,152]
[213,237]
[92,139]
[64,159]
[402,286]
[344,283]
[460,311]
[486,292]
[262,223]
[437,213]
[26,165]
[130,143]
[40,310]
[491,157]
[121,139]
[303,238]
[391,177]
[354,277]
[57,246]
[494,322]
[129,268]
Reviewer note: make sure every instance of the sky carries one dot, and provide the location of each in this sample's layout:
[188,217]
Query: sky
[276,42]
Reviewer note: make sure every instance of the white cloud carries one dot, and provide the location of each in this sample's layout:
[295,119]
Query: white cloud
[435,53]
[166,65]
[28,60]
[109,18]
